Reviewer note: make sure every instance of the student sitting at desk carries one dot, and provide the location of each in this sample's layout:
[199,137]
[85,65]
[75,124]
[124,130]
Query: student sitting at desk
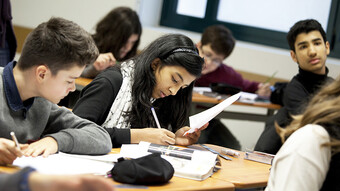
[309,159]
[216,45]
[53,56]
[117,38]
[162,77]
[309,49]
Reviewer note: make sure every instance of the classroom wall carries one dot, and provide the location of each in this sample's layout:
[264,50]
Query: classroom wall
[248,57]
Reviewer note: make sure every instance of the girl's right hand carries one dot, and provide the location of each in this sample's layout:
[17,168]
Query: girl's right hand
[153,135]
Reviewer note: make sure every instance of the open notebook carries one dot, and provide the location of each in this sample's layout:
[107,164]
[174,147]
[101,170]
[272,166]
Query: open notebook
[188,163]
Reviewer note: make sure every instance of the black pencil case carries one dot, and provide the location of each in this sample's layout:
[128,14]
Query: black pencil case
[150,169]
[223,88]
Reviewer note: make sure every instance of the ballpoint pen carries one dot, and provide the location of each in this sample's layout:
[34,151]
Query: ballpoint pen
[215,152]
[15,140]
[156,118]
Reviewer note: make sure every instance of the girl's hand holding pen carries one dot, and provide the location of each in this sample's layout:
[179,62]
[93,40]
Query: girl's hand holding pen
[153,135]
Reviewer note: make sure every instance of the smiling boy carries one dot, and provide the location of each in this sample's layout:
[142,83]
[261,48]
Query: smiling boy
[53,56]
[309,49]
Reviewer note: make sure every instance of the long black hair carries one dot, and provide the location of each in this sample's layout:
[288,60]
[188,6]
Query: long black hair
[172,50]
[115,29]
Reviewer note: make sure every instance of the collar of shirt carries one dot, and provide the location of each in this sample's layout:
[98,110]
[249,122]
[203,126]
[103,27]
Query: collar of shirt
[12,92]
[311,81]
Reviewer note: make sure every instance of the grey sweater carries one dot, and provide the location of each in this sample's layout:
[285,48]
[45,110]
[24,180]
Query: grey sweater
[42,118]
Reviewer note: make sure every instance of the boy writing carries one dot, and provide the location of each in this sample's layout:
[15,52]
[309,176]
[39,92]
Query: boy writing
[53,56]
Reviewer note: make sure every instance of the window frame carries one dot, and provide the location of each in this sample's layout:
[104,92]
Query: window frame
[170,18]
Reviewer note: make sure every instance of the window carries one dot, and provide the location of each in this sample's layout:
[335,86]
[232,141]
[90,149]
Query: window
[259,21]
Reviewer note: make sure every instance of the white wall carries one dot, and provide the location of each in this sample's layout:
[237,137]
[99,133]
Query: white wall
[246,56]
[84,12]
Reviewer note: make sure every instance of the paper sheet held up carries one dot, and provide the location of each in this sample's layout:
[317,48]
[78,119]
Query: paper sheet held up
[198,120]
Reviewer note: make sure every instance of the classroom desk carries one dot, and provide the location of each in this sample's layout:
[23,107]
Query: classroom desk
[184,184]
[238,173]
[242,173]
[201,102]
[176,183]
[82,82]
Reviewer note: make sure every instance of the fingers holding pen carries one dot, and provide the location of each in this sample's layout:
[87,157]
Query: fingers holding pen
[152,135]
[163,137]
[264,90]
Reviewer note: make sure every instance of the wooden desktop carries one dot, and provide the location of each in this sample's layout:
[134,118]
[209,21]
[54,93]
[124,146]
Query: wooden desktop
[238,173]
[82,82]
[202,102]
[242,173]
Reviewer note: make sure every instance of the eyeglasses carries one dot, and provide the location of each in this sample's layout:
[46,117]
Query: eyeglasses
[212,60]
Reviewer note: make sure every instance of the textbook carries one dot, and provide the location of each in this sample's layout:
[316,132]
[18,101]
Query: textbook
[188,163]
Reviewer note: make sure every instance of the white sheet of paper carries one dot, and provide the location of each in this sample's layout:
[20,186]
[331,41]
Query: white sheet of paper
[200,119]
[248,97]
[67,164]
[202,89]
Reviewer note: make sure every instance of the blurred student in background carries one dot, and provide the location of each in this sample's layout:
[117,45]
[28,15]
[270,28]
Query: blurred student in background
[117,37]
[217,43]
[8,43]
